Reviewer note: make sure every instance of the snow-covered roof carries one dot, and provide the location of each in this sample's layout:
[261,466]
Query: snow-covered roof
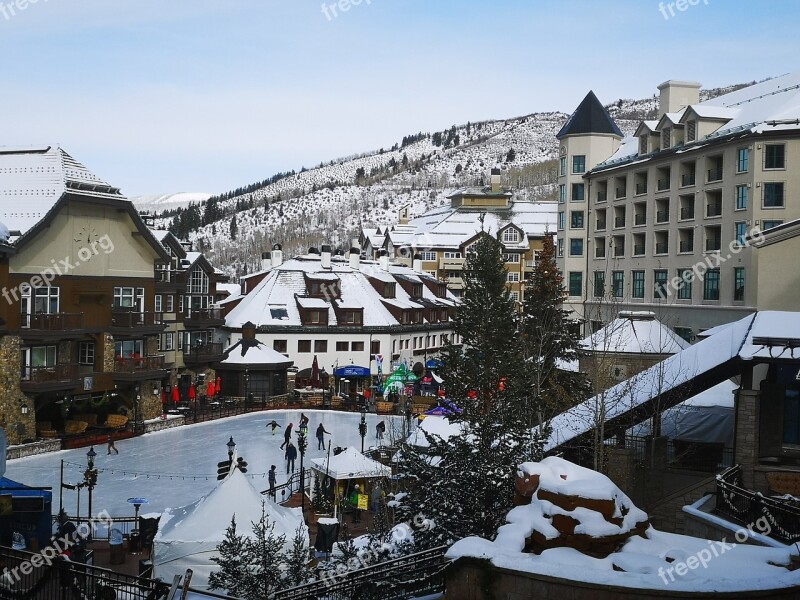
[764,335]
[254,353]
[33,179]
[434,426]
[285,287]
[635,332]
[350,464]
[232,289]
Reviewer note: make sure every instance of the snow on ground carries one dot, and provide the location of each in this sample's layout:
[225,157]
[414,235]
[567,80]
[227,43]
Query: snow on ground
[175,467]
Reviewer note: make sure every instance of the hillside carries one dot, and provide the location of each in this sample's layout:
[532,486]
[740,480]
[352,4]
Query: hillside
[331,202]
[157,204]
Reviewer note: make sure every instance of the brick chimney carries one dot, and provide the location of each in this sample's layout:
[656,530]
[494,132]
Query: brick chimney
[496,181]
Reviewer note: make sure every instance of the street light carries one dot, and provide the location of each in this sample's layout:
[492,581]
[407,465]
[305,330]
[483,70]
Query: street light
[231,445]
[302,444]
[362,426]
[246,388]
[90,480]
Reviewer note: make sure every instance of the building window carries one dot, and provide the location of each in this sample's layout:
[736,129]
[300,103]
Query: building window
[511,235]
[643,144]
[342,346]
[665,135]
[170,303]
[691,130]
[660,284]
[774,156]
[304,346]
[514,296]
[637,284]
[685,332]
[562,166]
[128,297]
[773,195]
[711,285]
[281,346]
[357,347]
[351,317]
[320,345]
[511,258]
[129,348]
[562,193]
[86,353]
[600,247]
[770,224]
[576,247]
[37,356]
[198,284]
[428,256]
[512,277]
[375,347]
[685,284]
[579,163]
[577,192]
[169,342]
[575,283]
[158,303]
[454,254]
[618,283]
[738,284]
[599,284]
[576,219]
[561,219]
[741,197]
[561,246]
[742,160]
[741,232]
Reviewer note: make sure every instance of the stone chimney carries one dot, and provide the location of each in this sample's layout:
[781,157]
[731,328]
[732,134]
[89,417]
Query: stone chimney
[249,331]
[277,255]
[417,264]
[326,257]
[355,258]
[383,260]
[496,181]
[677,94]
[266,261]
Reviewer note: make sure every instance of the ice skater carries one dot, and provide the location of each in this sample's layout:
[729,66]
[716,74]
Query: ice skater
[287,435]
[380,429]
[291,455]
[272,477]
[274,424]
[111,445]
[321,437]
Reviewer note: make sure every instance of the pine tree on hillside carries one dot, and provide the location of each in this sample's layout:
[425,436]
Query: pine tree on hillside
[234,228]
[265,554]
[549,337]
[297,567]
[232,560]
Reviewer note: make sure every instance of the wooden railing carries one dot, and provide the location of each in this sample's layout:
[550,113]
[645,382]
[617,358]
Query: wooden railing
[52,322]
[128,318]
[138,364]
[51,374]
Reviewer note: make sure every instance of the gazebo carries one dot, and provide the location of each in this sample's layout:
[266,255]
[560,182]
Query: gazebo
[345,470]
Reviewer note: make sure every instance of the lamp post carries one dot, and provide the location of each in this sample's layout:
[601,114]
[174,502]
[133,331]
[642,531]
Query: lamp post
[302,444]
[362,426]
[231,446]
[90,480]
[246,388]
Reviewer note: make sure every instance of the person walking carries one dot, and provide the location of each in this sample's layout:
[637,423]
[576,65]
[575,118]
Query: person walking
[287,435]
[321,437]
[291,456]
[272,477]
[380,429]
[111,445]
[274,424]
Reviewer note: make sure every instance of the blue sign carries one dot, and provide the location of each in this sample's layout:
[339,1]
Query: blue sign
[433,363]
[352,371]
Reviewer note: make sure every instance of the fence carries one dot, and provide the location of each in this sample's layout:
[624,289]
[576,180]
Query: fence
[681,454]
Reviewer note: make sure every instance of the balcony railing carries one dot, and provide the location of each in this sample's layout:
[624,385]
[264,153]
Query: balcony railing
[601,226]
[715,174]
[663,184]
[620,192]
[50,374]
[640,219]
[661,247]
[203,315]
[138,364]
[52,322]
[714,210]
[687,246]
[127,318]
[662,216]
[203,352]
[638,249]
[619,221]
[619,250]
[602,196]
[641,187]
[713,244]
[687,212]
[687,179]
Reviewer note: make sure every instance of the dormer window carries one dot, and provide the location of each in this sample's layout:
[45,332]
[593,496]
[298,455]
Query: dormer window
[691,130]
[666,134]
[350,317]
[511,235]
[441,290]
[643,144]
[389,289]
[315,316]
[416,290]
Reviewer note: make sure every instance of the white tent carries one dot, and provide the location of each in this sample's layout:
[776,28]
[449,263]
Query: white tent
[350,464]
[188,536]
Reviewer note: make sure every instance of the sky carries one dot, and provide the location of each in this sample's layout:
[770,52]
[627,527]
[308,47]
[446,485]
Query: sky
[164,96]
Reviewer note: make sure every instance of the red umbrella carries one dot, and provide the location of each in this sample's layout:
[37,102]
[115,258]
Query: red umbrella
[218,385]
[192,392]
[315,373]
[210,390]
[176,395]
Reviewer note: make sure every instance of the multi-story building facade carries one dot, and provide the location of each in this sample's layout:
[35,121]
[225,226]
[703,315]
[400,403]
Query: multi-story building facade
[345,311]
[674,214]
[441,238]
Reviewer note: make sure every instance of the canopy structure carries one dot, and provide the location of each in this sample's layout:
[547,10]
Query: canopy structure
[398,379]
[188,536]
[350,464]
[27,512]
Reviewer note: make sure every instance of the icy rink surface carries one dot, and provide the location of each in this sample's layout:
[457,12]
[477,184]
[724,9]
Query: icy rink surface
[176,466]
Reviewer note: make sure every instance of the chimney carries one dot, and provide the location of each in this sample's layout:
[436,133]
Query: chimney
[495,181]
[677,94]
[417,264]
[249,331]
[403,215]
[277,255]
[266,261]
[383,260]
[326,257]
[355,258]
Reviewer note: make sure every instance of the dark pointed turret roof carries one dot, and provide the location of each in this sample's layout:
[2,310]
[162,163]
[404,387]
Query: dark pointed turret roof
[589,117]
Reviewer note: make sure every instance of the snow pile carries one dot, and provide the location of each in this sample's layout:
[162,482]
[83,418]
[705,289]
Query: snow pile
[434,426]
[567,498]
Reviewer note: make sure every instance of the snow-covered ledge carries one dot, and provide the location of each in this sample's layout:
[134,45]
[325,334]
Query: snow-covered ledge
[161,423]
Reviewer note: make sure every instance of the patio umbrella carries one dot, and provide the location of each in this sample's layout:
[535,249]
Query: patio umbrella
[192,392]
[176,395]
[218,386]
[211,389]
[315,373]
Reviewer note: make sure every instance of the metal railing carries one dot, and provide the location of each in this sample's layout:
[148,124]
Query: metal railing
[687,246]
[662,247]
[52,321]
[641,187]
[687,179]
[206,350]
[640,219]
[405,577]
[620,193]
[715,174]
[619,221]
[687,212]
[663,184]
[203,314]
[705,457]
[602,196]
[746,507]
[662,216]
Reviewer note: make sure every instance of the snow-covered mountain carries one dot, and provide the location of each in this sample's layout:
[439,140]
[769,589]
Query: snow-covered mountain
[169,201]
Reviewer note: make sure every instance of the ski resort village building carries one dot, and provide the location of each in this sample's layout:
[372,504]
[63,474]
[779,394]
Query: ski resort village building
[344,311]
[441,238]
[692,215]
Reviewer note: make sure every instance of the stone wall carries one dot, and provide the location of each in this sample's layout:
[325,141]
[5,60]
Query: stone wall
[18,426]
[746,443]
[161,424]
[150,403]
[668,515]
[41,447]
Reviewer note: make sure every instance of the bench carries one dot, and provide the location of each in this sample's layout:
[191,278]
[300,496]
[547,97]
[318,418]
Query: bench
[384,408]
[116,421]
[89,418]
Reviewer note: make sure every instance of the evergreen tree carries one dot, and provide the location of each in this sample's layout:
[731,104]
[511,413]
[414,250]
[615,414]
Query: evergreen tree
[297,567]
[232,560]
[234,228]
[265,558]
[511,155]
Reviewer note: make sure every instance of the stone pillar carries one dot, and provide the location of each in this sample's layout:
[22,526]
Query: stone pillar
[621,469]
[18,426]
[150,403]
[108,353]
[746,435]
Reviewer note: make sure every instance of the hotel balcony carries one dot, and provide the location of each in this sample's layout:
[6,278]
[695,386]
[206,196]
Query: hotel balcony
[51,326]
[207,353]
[50,379]
[203,318]
[139,368]
[128,322]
